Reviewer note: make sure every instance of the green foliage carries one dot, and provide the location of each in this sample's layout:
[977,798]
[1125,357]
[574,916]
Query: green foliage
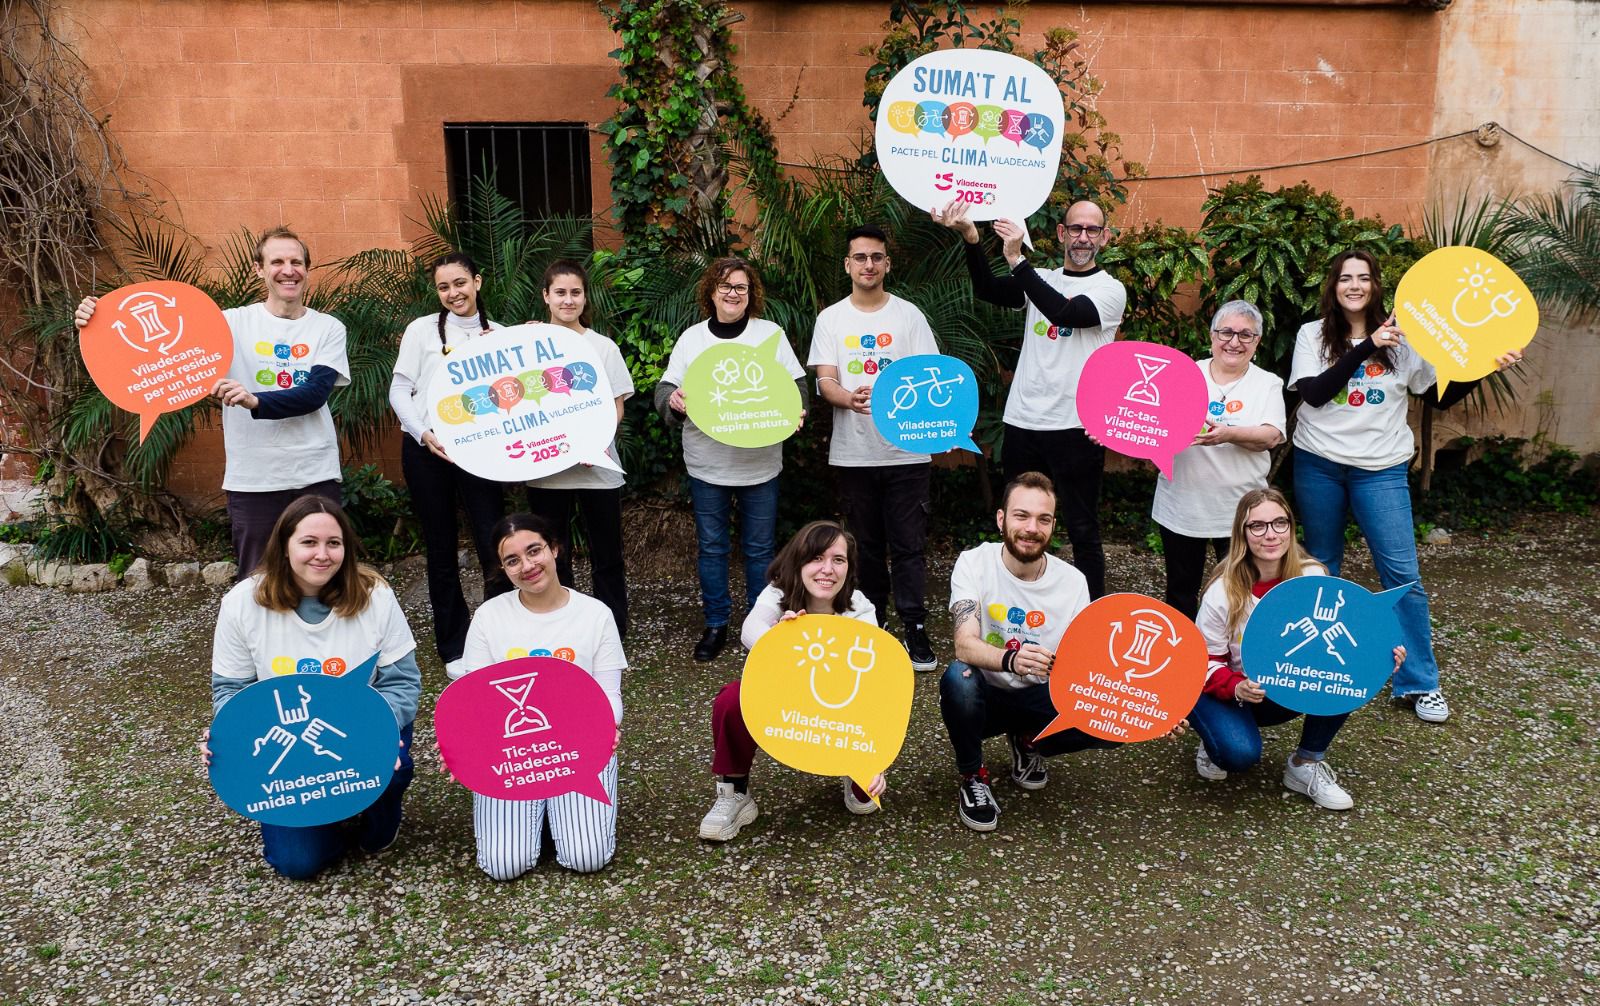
[120,562]
[381,513]
[1502,484]
[1555,246]
[20,533]
[1158,264]
[69,539]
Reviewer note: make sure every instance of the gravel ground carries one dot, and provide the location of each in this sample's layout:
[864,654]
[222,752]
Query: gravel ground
[1467,872]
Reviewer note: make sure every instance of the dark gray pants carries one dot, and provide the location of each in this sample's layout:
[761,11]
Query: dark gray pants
[886,509]
[251,517]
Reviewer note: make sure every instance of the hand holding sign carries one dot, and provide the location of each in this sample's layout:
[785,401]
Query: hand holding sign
[527,729]
[523,402]
[828,695]
[304,749]
[1129,668]
[155,347]
[1461,309]
[1322,645]
[926,404]
[1142,399]
[741,395]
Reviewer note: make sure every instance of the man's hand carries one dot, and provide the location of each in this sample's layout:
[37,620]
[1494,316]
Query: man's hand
[954,216]
[1033,661]
[85,311]
[231,392]
[1011,236]
[861,400]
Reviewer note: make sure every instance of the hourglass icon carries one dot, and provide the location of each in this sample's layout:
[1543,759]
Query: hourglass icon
[1144,390]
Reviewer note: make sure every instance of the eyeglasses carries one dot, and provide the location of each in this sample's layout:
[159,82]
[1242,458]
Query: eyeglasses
[1258,528]
[512,563]
[1079,230]
[1244,336]
[739,289]
[862,258]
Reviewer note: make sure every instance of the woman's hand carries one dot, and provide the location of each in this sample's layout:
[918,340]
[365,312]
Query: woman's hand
[1179,730]
[1248,691]
[954,216]
[1388,334]
[398,761]
[438,759]
[1399,657]
[1504,361]
[205,735]
[790,616]
[876,788]
[231,392]
[677,404]
[1212,436]
[85,311]
[431,441]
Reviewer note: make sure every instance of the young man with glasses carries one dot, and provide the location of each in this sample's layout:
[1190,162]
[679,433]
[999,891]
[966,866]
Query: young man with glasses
[1071,312]
[884,489]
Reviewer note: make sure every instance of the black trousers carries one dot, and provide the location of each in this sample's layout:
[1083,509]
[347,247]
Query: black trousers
[886,509]
[437,487]
[1186,561]
[251,517]
[1075,464]
[601,513]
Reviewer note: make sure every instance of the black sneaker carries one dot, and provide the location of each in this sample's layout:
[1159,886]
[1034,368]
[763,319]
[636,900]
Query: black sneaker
[711,643]
[922,658]
[976,804]
[1027,765]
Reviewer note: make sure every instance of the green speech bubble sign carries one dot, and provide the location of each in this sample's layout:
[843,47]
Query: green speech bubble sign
[741,395]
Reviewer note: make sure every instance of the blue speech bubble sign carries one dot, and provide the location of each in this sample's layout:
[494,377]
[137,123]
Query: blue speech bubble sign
[304,749]
[1322,645]
[926,404]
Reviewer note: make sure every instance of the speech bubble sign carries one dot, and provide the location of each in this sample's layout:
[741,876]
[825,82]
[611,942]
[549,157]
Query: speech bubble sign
[741,395]
[527,729]
[828,695]
[312,746]
[1142,399]
[1128,669]
[926,404]
[156,347]
[937,120]
[523,402]
[1322,645]
[1460,308]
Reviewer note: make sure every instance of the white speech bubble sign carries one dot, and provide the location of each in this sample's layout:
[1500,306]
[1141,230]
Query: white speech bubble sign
[972,124]
[522,403]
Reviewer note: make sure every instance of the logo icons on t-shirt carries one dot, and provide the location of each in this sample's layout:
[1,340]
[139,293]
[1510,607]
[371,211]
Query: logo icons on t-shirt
[861,348]
[1017,620]
[1358,393]
[276,359]
[566,653]
[333,666]
[1049,331]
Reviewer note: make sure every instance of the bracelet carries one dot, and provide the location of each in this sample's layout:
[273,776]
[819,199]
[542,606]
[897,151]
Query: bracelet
[835,380]
[1008,662]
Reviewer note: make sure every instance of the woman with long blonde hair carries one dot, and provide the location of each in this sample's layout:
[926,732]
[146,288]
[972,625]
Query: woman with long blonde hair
[1232,709]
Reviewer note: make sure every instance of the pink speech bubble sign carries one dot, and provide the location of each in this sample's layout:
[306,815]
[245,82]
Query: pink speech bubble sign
[527,729]
[1143,400]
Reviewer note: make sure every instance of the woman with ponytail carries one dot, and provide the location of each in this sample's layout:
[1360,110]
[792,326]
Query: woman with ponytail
[436,484]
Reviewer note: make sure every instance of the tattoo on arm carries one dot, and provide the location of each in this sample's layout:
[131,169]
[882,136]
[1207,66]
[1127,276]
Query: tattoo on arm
[963,612]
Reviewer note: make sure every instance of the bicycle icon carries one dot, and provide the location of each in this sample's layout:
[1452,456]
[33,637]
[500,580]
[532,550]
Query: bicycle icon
[907,394]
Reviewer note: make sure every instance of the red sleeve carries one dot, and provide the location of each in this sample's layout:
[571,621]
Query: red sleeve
[1223,680]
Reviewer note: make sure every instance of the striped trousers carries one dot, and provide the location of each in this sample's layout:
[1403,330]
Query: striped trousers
[508,832]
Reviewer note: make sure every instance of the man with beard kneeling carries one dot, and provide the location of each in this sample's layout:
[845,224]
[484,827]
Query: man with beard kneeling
[1011,602]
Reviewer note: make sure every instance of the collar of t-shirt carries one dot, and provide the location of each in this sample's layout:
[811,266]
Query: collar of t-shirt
[312,611]
[469,323]
[1080,275]
[728,329]
[1260,587]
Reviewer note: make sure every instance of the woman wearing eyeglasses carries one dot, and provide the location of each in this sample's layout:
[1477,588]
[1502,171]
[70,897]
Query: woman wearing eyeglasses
[1353,445]
[1245,420]
[1232,709]
[730,294]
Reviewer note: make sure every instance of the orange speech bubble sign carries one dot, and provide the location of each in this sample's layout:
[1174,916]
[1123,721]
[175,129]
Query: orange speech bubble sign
[1128,669]
[156,347]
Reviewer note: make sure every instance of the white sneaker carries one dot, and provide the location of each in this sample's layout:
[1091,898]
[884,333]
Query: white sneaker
[1316,780]
[456,668]
[1431,707]
[853,805]
[732,811]
[1208,769]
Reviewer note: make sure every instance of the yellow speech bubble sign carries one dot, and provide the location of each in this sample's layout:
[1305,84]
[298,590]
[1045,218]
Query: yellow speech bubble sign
[1460,308]
[828,695]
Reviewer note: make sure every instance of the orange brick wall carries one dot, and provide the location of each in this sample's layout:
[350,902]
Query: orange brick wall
[327,115]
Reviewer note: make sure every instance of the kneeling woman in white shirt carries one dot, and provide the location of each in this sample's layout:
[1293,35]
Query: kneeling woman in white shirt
[814,574]
[543,615]
[308,598]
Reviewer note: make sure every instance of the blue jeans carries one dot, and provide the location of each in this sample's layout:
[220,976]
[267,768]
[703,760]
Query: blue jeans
[302,853]
[758,523]
[973,709]
[1381,502]
[1231,731]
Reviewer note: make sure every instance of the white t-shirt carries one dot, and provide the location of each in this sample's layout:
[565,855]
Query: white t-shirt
[588,476]
[419,359]
[255,642]
[705,458]
[581,631]
[273,354]
[768,610]
[861,344]
[1044,391]
[1012,611]
[1366,425]
[1207,482]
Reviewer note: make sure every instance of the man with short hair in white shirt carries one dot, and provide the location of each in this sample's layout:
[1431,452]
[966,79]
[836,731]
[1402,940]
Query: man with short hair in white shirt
[1011,602]
[884,489]
[1071,312]
[278,436]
